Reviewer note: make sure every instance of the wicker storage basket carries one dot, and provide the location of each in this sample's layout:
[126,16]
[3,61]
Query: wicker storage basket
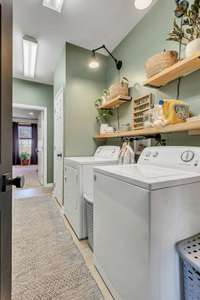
[160,61]
[118,89]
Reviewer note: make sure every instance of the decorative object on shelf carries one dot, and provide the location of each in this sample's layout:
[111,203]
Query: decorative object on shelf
[188,31]
[119,89]
[94,62]
[141,105]
[106,96]
[175,111]
[142,4]
[160,62]
[190,127]
[103,114]
[125,127]
[167,112]
[105,128]
[25,158]
[180,69]
[192,47]
[148,118]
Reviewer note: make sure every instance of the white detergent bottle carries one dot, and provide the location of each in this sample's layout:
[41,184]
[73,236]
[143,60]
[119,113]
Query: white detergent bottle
[159,119]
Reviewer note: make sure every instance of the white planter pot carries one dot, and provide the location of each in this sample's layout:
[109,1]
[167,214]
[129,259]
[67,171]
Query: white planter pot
[103,128]
[192,48]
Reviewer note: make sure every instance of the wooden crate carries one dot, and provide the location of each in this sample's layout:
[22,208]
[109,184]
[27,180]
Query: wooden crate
[141,105]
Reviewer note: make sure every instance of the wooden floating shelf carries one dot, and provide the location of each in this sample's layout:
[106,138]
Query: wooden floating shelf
[116,102]
[180,69]
[191,127]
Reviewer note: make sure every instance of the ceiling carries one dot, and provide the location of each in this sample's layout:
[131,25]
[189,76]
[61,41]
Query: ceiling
[86,23]
[21,113]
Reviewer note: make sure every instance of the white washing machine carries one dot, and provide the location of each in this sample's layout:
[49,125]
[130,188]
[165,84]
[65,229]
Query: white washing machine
[78,180]
[140,212]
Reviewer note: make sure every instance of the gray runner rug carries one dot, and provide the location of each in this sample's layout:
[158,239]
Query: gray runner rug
[46,262]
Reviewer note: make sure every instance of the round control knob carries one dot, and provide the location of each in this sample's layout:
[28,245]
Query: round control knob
[155,154]
[187,156]
[148,154]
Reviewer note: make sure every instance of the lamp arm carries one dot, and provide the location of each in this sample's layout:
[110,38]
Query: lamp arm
[104,47]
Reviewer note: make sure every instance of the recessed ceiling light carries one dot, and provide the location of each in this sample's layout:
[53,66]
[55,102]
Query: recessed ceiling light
[54,4]
[30,47]
[142,4]
[31,113]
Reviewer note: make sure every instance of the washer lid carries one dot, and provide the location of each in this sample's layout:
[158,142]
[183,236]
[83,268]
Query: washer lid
[149,177]
[90,160]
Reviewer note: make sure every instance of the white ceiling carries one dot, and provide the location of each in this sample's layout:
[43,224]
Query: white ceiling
[86,23]
[21,113]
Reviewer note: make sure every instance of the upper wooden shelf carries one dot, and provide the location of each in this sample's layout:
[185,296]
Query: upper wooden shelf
[116,102]
[193,127]
[180,69]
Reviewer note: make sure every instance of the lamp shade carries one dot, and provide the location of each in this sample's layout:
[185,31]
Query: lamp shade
[94,64]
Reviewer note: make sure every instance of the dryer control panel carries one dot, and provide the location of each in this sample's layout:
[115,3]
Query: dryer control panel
[107,152]
[184,158]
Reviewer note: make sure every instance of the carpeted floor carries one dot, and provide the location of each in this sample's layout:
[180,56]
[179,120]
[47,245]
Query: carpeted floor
[46,263]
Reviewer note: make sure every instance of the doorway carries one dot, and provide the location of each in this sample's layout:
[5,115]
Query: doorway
[30,144]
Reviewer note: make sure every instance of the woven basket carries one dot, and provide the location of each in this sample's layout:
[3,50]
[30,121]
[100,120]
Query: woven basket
[118,89]
[160,61]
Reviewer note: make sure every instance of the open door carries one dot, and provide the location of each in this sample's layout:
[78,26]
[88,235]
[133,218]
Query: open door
[58,147]
[5,148]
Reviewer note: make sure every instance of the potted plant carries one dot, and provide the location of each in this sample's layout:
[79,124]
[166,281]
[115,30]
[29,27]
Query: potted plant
[103,115]
[25,158]
[105,96]
[187,31]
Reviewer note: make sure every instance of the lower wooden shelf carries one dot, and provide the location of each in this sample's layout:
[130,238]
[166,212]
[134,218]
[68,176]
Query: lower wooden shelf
[116,102]
[191,127]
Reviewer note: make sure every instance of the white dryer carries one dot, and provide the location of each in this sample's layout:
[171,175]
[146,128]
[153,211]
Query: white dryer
[78,180]
[140,212]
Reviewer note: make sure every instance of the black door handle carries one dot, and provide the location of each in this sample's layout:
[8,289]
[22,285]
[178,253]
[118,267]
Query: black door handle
[59,155]
[8,181]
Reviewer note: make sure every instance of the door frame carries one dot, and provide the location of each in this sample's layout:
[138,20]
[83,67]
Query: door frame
[60,91]
[44,110]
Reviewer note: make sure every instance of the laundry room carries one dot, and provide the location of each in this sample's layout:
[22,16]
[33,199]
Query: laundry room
[131,153]
[111,207]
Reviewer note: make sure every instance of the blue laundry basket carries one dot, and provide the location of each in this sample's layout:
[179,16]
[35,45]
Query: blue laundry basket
[189,251]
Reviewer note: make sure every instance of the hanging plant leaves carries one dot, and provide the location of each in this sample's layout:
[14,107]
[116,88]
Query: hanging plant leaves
[189,28]
[181,8]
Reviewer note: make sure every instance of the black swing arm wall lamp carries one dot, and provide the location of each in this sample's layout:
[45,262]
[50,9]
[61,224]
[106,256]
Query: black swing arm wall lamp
[94,62]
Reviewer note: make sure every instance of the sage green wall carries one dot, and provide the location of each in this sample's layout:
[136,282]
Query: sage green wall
[60,72]
[82,87]
[146,39]
[31,93]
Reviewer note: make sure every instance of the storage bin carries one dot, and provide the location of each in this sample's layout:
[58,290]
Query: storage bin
[160,62]
[189,251]
[89,218]
[118,89]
